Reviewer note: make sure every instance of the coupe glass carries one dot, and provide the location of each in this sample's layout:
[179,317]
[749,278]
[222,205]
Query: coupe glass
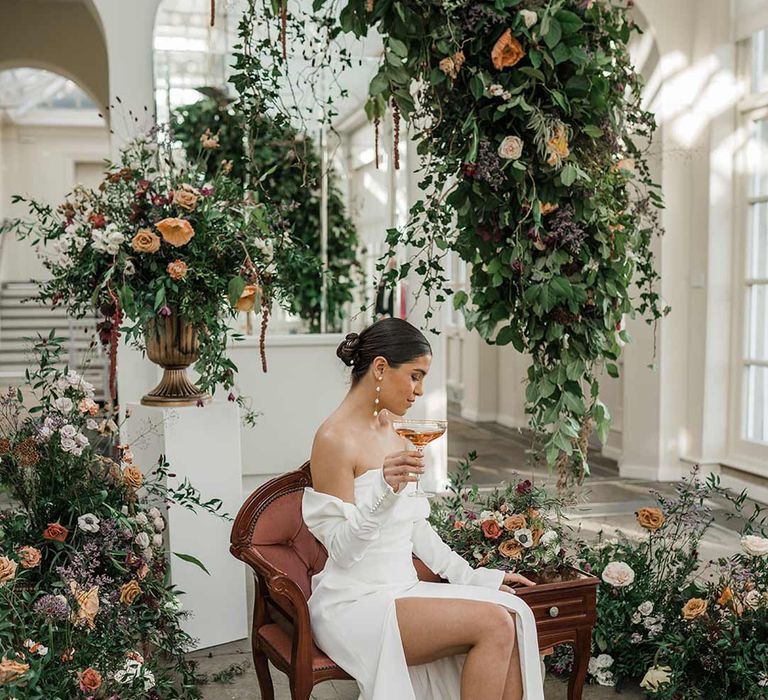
[420,433]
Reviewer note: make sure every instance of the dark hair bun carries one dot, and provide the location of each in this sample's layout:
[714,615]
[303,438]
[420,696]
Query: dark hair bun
[347,350]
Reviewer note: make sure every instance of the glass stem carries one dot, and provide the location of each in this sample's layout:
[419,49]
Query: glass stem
[420,450]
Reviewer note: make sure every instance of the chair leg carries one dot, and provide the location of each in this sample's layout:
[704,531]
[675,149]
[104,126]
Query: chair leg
[261,664]
[301,689]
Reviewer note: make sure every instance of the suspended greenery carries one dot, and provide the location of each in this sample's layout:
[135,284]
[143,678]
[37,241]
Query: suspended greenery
[531,111]
[290,182]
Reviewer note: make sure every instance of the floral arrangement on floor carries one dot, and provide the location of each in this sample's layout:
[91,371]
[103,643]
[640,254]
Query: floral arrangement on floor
[85,607]
[528,115]
[518,528]
[291,171]
[159,237]
[682,628]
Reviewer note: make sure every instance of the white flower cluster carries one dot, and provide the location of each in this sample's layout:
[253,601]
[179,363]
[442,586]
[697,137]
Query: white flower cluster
[755,546]
[497,90]
[598,668]
[107,240]
[152,525]
[643,616]
[73,380]
[58,252]
[133,670]
[265,248]
[72,440]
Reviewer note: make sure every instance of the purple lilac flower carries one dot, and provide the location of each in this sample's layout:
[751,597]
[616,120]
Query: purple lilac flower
[474,17]
[568,232]
[52,607]
[489,165]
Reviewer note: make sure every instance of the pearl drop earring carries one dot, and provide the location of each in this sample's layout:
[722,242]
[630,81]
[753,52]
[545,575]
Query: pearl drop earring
[378,394]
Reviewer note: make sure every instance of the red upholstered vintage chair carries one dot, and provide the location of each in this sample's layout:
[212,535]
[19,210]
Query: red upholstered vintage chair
[270,536]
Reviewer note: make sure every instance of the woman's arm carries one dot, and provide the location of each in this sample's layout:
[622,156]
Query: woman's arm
[346,529]
[441,559]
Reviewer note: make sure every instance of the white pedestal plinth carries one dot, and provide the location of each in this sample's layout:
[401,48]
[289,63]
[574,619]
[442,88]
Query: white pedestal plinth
[203,445]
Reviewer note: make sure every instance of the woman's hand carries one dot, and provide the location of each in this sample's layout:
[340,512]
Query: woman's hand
[401,467]
[512,578]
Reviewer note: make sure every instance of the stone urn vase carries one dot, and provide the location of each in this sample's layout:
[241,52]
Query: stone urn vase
[172,343]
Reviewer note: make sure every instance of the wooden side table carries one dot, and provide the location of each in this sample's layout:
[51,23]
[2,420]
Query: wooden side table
[565,611]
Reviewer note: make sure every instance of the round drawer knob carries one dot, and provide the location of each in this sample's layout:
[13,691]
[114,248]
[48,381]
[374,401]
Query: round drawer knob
[554,611]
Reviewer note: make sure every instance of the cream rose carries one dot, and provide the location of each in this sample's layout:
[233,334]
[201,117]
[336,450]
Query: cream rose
[511,148]
[755,546]
[7,570]
[618,574]
[129,592]
[655,677]
[529,18]
[29,557]
[145,241]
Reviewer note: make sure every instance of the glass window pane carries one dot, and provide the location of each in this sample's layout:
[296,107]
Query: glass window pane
[757,250]
[760,61]
[757,155]
[756,414]
[757,322]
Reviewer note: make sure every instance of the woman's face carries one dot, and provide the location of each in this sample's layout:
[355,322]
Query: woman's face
[401,385]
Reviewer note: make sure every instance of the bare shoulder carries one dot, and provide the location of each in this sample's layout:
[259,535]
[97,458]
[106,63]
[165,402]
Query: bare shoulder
[333,461]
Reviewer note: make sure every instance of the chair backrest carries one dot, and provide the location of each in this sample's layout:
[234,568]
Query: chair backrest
[270,522]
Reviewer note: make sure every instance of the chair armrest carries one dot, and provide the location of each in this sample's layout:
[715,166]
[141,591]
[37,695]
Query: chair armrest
[285,593]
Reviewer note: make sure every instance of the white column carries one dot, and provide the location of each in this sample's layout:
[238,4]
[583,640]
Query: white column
[481,380]
[202,445]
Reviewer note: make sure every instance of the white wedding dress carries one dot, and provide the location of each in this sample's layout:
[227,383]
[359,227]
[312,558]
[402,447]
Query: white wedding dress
[352,606]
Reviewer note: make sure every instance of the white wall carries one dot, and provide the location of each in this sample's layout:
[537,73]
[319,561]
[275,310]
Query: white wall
[41,162]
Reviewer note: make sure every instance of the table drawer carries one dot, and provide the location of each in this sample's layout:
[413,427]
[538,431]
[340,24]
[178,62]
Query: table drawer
[568,607]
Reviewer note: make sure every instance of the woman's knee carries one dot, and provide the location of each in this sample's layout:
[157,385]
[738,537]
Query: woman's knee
[499,625]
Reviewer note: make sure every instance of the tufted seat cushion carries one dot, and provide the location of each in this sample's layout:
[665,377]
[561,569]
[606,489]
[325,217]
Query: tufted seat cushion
[282,538]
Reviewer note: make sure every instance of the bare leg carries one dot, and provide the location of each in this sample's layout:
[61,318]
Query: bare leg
[432,628]
[513,690]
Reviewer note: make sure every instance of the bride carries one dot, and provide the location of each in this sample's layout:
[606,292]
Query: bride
[401,638]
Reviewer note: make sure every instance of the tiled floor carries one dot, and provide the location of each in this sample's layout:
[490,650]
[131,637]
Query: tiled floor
[606,502]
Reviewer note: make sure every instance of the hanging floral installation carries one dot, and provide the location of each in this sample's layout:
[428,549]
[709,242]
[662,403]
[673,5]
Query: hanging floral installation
[531,112]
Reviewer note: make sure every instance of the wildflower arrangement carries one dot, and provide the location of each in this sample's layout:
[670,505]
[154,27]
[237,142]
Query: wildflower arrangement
[518,528]
[162,236]
[529,118]
[680,627]
[85,607]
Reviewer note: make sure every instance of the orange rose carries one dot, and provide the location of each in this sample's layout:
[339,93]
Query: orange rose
[548,208]
[88,406]
[511,549]
[7,570]
[515,522]
[491,529]
[507,51]
[177,270]
[56,532]
[458,525]
[247,300]
[145,241]
[177,232]
[11,671]
[694,608]
[725,596]
[650,518]
[90,680]
[186,197]
[129,592]
[557,146]
[29,557]
[451,65]
[132,476]
[209,141]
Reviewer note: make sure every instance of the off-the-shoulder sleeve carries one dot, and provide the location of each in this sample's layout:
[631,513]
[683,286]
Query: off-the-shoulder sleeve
[345,529]
[442,560]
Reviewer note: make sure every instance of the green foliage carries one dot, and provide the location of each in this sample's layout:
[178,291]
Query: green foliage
[96,596]
[549,199]
[289,179]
